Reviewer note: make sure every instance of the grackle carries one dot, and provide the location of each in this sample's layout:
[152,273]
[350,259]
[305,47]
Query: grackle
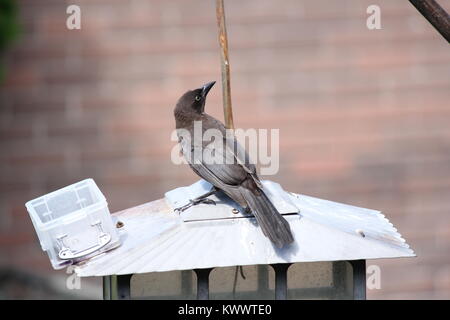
[233,174]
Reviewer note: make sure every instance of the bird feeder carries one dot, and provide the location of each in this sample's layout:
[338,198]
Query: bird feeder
[219,252]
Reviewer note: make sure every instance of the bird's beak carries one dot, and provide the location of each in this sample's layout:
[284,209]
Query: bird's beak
[206,88]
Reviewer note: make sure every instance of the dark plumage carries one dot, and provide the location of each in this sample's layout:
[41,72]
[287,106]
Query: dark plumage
[234,175]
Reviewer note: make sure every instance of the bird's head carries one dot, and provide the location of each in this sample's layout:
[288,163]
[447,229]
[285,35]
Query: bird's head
[194,100]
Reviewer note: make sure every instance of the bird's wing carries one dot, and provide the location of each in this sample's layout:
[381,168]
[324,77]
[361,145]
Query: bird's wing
[242,157]
[219,158]
[235,151]
[199,155]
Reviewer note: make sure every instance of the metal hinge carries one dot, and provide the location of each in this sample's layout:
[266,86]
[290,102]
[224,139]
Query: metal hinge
[65,253]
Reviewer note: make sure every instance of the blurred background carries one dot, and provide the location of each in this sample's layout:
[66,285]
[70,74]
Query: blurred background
[363,115]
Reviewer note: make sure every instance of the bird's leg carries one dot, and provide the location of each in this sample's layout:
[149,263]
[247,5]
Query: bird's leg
[201,199]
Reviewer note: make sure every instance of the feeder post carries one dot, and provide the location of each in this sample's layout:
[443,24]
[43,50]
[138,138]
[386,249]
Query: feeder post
[281,286]
[203,283]
[359,279]
[225,65]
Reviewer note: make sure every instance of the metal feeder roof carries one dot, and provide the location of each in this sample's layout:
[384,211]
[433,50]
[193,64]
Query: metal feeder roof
[156,239]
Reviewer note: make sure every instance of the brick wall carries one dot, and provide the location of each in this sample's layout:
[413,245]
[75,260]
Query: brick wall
[363,114]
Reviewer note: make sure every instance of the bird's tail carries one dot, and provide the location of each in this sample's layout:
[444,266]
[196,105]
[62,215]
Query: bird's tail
[272,223]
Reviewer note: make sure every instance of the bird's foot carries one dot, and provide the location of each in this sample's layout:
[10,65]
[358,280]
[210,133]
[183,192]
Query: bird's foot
[194,203]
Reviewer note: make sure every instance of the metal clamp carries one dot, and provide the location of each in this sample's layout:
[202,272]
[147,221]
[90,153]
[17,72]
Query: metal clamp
[66,253]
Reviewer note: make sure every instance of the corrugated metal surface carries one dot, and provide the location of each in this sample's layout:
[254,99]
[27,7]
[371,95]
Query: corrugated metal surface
[157,239]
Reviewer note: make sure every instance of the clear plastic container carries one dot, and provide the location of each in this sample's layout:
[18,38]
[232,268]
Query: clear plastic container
[73,223]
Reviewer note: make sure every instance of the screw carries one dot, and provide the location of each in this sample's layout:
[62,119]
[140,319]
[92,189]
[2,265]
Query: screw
[235,211]
[360,232]
[119,224]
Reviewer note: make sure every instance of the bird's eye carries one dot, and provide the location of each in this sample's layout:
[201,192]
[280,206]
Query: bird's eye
[198,98]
